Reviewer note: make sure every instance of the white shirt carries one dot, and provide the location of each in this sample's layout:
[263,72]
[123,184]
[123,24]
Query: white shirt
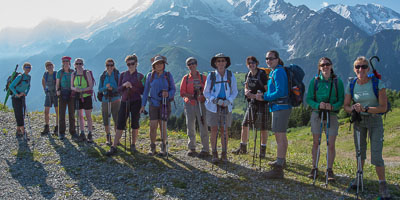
[231,93]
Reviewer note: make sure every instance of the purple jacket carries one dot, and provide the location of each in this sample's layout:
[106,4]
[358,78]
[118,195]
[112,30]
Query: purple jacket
[134,93]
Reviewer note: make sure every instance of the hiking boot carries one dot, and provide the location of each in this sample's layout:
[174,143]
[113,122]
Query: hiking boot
[82,137]
[224,157]
[90,137]
[191,153]
[215,158]
[275,173]
[331,176]
[241,150]
[152,151]
[61,136]
[133,149]
[313,171]
[55,132]
[275,164]
[203,154]
[113,151]
[162,152]
[108,137]
[383,190]
[46,130]
[262,151]
[74,136]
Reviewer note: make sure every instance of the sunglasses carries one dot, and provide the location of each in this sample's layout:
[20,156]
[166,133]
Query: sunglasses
[361,66]
[270,58]
[49,65]
[131,63]
[78,63]
[252,63]
[65,61]
[28,67]
[325,64]
[220,61]
[192,63]
[110,65]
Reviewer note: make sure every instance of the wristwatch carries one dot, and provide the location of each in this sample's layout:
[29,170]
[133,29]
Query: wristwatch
[366,108]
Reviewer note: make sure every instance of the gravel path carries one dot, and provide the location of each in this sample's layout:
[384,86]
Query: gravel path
[47,168]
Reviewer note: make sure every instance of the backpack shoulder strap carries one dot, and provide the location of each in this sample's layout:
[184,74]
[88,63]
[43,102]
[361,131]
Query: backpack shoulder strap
[116,72]
[213,79]
[352,85]
[167,74]
[229,78]
[375,86]
[316,81]
[103,77]
[46,75]
[335,81]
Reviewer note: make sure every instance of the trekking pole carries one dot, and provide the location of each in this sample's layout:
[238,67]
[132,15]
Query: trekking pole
[327,146]
[218,130]
[254,131]
[259,115]
[77,113]
[224,109]
[58,116]
[164,119]
[109,117]
[359,166]
[126,113]
[321,113]
[29,123]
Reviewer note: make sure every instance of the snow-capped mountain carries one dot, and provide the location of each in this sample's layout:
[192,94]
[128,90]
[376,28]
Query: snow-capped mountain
[371,18]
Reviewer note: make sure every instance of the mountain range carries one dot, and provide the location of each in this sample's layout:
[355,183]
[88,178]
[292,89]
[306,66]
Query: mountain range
[201,28]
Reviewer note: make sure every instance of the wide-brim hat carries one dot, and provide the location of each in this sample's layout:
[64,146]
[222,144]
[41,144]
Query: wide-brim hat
[158,58]
[220,55]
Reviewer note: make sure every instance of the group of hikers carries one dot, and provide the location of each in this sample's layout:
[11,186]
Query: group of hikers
[209,101]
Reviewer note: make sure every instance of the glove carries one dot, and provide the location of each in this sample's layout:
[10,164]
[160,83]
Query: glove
[226,102]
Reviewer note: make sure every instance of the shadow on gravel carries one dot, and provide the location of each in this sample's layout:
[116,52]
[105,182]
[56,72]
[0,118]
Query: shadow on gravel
[28,172]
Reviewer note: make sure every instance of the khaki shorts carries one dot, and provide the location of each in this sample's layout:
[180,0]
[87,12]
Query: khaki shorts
[280,120]
[213,119]
[316,124]
[155,112]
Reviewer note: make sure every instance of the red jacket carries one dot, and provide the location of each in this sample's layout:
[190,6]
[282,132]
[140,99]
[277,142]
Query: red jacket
[187,87]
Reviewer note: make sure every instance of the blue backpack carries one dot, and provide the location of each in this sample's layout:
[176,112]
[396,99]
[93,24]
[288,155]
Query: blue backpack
[375,84]
[296,86]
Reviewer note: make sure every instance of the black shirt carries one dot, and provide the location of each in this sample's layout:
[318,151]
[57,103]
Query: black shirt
[256,82]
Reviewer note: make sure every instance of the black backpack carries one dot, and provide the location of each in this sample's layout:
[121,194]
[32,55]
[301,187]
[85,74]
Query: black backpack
[10,79]
[296,87]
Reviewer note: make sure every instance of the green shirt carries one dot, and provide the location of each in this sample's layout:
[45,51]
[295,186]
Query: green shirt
[65,82]
[364,94]
[322,95]
[80,82]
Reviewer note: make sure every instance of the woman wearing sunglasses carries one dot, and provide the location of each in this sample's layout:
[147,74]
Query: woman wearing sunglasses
[325,93]
[19,89]
[369,106]
[130,86]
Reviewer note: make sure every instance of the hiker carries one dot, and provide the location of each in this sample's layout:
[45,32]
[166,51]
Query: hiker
[159,84]
[82,87]
[277,91]
[220,92]
[255,80]
[191,91]
[20,89]
[63,85]
[130,86]
[325,93]
[368,106]
[49,87]
[111,100]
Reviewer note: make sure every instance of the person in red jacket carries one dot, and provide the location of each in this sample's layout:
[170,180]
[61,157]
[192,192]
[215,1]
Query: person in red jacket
[192,86]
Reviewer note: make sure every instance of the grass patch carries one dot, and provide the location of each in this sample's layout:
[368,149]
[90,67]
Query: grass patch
[179,184]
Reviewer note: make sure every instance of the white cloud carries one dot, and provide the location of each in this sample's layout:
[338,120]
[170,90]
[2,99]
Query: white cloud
[325,4]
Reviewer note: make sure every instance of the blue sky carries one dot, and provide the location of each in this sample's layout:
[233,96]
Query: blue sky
[317,4]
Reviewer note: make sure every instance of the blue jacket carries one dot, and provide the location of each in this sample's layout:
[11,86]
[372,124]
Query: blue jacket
[113,83]
[277,88]
[153,88]
[24,86]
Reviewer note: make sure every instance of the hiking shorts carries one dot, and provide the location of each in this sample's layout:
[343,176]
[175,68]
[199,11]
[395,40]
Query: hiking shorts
[155,111]
[50,100]
[133,109]
[85,103]
[316,124]
[213,119]
[280,120]
[372,124]
[265,121]
[114,112]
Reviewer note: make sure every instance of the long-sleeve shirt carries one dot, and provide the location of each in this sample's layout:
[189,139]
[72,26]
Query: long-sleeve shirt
[277,88]
[131,94]
[109,79]
[322,94]
[154,86]
[230,93]
[21,84]
[188,85]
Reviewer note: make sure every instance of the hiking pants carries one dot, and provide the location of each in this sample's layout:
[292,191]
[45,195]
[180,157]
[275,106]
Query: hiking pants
[71,108]
[192,112]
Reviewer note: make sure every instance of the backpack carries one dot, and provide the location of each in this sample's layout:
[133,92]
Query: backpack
[213,78]
[316,81]
[375,87]
[266,70]
[296,87]
[102,78]
[187,79]
[10,79]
